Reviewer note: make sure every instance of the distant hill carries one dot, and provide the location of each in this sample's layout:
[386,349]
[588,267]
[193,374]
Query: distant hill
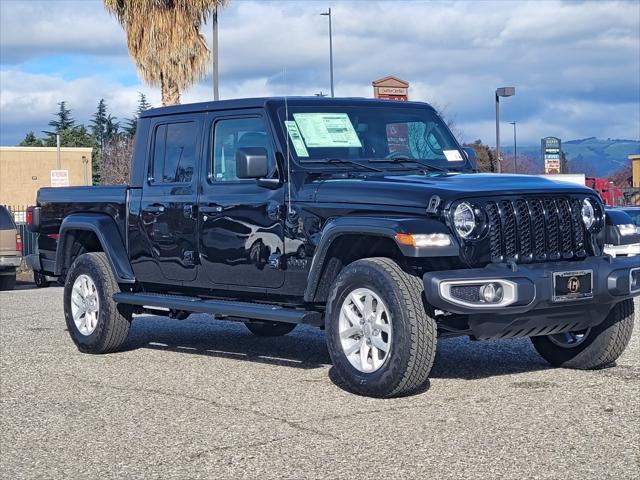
[593,156]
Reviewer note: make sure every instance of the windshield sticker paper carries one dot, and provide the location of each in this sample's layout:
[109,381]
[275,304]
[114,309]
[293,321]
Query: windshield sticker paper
[453,155]
[327,130]
[296,138]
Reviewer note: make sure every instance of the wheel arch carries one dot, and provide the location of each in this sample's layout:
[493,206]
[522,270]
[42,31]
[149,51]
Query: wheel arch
[346,239]
[94,232]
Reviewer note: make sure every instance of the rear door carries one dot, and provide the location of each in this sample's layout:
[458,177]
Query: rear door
[168,208]
[241,226]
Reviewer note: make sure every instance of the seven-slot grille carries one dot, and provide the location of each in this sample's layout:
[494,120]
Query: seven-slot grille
[535,229]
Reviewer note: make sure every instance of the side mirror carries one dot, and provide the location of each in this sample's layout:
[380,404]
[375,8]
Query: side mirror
[471,155]
[252,162]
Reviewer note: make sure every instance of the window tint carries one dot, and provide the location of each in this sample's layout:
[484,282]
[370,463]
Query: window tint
[174,153]
[6,222]
[229,135]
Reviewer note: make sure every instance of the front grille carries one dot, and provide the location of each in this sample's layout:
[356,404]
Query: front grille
[533,230]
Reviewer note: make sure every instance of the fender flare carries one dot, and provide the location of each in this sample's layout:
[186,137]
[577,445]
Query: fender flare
[108,235]
[379,227]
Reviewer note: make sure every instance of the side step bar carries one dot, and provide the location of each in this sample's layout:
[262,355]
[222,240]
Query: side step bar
[226,308]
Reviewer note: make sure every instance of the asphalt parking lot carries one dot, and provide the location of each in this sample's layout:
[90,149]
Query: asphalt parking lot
[206,399]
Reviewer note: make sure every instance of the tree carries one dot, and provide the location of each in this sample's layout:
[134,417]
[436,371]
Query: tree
[486,157]
[30,140]
[112,128]
[63,121]
[115,160]
[73,137]
[99,123]
[132,123]
[164,40]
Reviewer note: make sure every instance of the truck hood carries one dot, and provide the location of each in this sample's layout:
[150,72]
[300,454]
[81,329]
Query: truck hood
[416,190]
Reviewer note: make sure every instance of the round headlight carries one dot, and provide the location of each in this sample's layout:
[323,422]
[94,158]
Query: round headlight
[464,220]
[588,213]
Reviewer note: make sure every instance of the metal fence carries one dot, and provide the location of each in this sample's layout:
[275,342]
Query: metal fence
[19,214]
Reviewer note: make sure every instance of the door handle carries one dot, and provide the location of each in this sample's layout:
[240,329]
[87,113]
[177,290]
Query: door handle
[210,208]
[189,210]
[154,209]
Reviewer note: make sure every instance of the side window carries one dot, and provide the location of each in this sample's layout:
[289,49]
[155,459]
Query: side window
[174,152]
[228,136]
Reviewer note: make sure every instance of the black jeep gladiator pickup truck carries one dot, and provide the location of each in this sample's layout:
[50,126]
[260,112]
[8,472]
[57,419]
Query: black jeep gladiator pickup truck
[362,217]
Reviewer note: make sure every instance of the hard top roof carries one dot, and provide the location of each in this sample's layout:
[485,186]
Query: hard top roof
[264,101]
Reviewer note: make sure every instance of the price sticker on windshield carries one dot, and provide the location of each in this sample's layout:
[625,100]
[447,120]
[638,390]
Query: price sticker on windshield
[321,130]
[453,155]
[296,138]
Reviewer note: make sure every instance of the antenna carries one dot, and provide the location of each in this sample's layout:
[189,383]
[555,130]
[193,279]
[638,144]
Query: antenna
[288,148]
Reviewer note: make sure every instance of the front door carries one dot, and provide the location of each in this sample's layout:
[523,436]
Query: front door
[169,198]
[241,226]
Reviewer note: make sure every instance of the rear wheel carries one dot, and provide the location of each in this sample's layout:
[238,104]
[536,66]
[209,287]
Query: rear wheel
[8,282]
[592,348]
[269,329]
[380,338]
[40,280]
[95,322]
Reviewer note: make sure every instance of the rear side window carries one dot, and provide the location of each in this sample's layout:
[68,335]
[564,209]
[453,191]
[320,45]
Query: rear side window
[174,153]
[6,222]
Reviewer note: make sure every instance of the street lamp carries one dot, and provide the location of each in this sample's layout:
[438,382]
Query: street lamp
[515,149]
[214,55]
[328,14]
[501,92]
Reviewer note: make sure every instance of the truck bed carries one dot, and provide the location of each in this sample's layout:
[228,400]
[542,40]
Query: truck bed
[57,203]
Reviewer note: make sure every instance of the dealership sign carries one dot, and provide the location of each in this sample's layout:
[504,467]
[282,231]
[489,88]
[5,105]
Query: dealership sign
[552,155]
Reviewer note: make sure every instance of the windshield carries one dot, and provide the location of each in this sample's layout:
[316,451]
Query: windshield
[368,133]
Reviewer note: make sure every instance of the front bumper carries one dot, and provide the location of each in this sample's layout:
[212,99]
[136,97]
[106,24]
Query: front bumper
[622,250]
[10,261]
[531,309]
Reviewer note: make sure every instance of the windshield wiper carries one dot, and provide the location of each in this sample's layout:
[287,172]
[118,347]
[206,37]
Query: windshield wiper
[409,160]
[345,161]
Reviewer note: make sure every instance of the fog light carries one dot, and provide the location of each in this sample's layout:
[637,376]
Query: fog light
[635,280]
[492,293]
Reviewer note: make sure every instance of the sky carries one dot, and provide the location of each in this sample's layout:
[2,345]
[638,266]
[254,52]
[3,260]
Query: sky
[575,64]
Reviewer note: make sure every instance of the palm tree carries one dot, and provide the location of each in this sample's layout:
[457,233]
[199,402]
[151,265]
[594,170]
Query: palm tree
[164,39]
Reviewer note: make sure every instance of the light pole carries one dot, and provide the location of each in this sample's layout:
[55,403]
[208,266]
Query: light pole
[328,14]
[501,92]
[515,149]
[214,54]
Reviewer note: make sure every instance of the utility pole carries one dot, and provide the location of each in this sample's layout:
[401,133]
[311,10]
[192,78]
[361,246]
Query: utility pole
[58,164]
[515,149]
[501,92]
[328,14]
[214,55]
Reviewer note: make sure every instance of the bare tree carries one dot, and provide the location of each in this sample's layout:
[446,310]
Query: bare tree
[115,160]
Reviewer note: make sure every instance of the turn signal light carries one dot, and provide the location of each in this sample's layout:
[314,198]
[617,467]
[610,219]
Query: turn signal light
[424,240]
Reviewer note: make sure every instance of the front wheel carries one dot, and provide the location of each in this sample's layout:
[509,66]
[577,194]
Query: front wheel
[381,341]
[592,348]
[95,322]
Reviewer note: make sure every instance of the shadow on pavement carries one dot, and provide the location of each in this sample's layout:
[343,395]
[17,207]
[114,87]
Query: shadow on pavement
[456,358]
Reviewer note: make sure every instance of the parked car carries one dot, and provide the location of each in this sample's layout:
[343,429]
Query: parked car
[362,217]
[631,226]
[10,250]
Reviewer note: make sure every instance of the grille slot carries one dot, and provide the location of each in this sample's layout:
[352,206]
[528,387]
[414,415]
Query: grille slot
[535,229]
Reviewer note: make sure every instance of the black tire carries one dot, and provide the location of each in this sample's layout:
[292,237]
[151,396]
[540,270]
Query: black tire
[8,282]
[114,320]
[601,347]
[270,329]
[40,280]
[413,346]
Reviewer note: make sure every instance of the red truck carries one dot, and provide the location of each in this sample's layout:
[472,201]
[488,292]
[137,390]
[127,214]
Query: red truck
[611,195]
